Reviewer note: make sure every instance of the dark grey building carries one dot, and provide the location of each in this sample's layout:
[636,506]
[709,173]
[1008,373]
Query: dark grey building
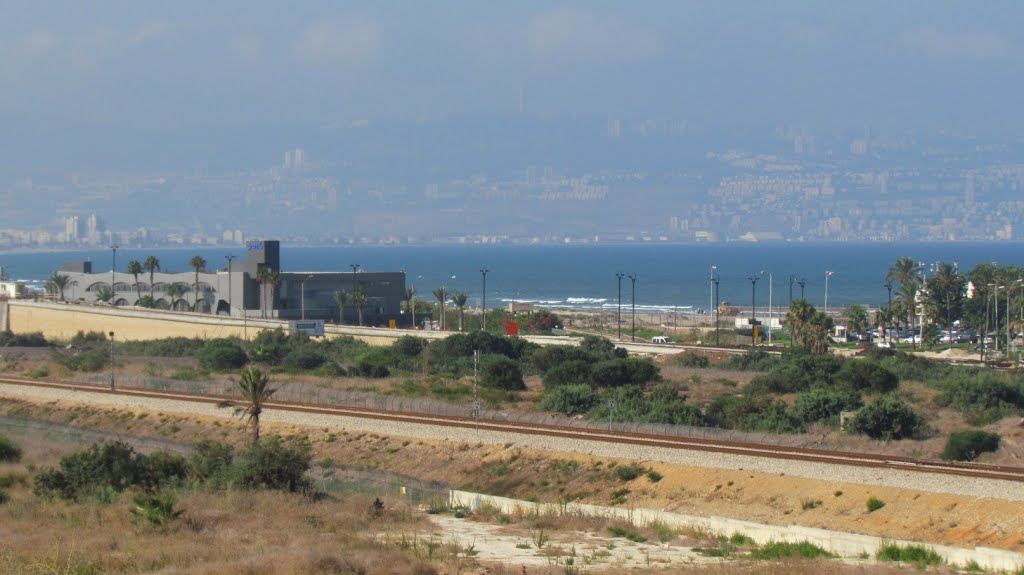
[254,287]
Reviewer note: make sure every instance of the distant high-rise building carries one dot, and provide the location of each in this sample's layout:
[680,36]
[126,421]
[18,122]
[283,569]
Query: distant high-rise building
[294,159]
[288,159]
[969,190]
[72,230]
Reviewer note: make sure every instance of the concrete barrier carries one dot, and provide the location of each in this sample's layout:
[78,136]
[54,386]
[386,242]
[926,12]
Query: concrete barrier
[850,545]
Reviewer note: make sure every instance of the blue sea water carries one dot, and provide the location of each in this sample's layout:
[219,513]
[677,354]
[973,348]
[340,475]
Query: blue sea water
[669,277]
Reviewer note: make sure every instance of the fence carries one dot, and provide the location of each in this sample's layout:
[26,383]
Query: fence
[319,393]
[25,427]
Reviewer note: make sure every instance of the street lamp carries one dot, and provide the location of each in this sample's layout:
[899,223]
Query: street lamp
[828,274]
[888,312]
[113,268]
[483,300]
[753,309]
[802,282]
[711,299]
[231,311]
[618,319]
[791,280]
[771,281]
[632,277]
[715,281]
[111,334]
[302,295]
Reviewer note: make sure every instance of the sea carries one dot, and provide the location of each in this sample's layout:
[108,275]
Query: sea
[670,278]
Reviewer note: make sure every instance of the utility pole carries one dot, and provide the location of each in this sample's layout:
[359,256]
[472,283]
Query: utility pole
[632,277]
[618,319]
[231,311]
[483,300]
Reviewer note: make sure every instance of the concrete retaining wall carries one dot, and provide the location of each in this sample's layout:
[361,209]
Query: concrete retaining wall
[843,544]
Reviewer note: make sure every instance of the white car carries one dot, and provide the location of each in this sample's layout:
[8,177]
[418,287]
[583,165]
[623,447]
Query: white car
[911,339]
[885,344]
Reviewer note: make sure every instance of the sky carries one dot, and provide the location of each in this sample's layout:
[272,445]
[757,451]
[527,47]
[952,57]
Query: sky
[154,65]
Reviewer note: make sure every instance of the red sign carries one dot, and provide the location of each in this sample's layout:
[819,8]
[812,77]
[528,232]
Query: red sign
[512,328]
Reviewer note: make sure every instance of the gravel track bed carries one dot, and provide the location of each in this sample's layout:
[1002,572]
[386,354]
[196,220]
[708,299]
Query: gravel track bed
[918,481]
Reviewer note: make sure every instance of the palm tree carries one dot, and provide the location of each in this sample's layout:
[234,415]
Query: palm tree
[857,318]
[176,291]
[947,290]
[459,299]
[341,296]
[441,296]
[268,279]
[105,294]
[135,268]
[907,274]
[256,390]
[800,313]
[816,334]
[359,299]
[151,264]
[410,304]
[197,263]
[58,282]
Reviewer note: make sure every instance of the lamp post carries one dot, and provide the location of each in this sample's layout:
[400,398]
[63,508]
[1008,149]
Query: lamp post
[984,333]
[753,309]
[802,282]
[231,310]
[715,281]
[888,287]
[995,314]
[771,281]
[111,334]
[302,295]
[113,269]
[632,277]
[711,299]
[483,299]
[791,280]
[828,274]
[618,318]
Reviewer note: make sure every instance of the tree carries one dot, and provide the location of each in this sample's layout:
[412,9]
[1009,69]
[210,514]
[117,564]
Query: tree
[135,268]
[441,296]
[359,300]
[410,305]
[58,282]
[800,313]
[256,391]
[197,263]
[816,334]
[151,264]
[176,291]
[459,299]
[946,295]
[907,274]
[341,296]
[104,294]
[857,318]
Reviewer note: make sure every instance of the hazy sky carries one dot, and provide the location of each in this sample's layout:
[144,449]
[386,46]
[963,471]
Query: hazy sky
[921,64]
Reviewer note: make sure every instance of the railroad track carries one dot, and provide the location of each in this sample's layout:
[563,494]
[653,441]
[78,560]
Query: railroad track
[802,454]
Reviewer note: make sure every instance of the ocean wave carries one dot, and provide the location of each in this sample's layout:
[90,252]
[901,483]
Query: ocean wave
[585,300]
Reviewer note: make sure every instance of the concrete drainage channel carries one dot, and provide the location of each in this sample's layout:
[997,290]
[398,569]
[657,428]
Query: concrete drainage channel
[846,545]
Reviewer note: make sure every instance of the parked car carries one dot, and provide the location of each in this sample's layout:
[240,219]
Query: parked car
[885,344]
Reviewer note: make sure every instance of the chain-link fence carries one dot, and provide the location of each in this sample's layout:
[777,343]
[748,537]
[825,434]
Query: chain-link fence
[71,434]
[381,484]
[317,393]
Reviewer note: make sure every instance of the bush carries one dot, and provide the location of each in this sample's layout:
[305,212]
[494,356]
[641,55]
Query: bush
[271,465]
[663,405]
[642,370]
[753,360]
[9,451]
[610,373]
[552,356]
[87,361]
[270,346]
[628,472]
[601,348]
[372,363]
[982,392]
[753,413]
[690,359]
[867,376]
[968,445]
[569,373]
[886,418]
[570,399]
[918,554]
[408,346]
[780,550]
[109,466]
[501,373]
[874,504]
[304,358]
[211,461]
[167,347]
[11,339]
[222,354]
[825,404]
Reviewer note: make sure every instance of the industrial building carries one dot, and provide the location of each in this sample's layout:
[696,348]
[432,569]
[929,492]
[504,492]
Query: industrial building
[254,287]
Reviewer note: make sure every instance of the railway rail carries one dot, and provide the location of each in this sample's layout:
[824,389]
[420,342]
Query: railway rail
[802,454]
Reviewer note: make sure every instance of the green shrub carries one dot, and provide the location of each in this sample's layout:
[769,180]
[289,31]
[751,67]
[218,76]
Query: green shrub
[570,399]
[408,346]
[11,339]
[822,404]
[886,418]
[156,510]
[222,354]
[572,372]
[691,359]
[642,370]
[547,358]
[211,461]
[752,360]
[753,413]
[874,504]
[867,376]
[304,358]
[982,392]
[654,477]
[918,554]
[9,451]
[629,472]
[86,361]
[166,347]
[373,363]
[968,445]
[610,373]
[111,466]
[783,550]
[4,498]
[664,404]
[271,465]
[501,373]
